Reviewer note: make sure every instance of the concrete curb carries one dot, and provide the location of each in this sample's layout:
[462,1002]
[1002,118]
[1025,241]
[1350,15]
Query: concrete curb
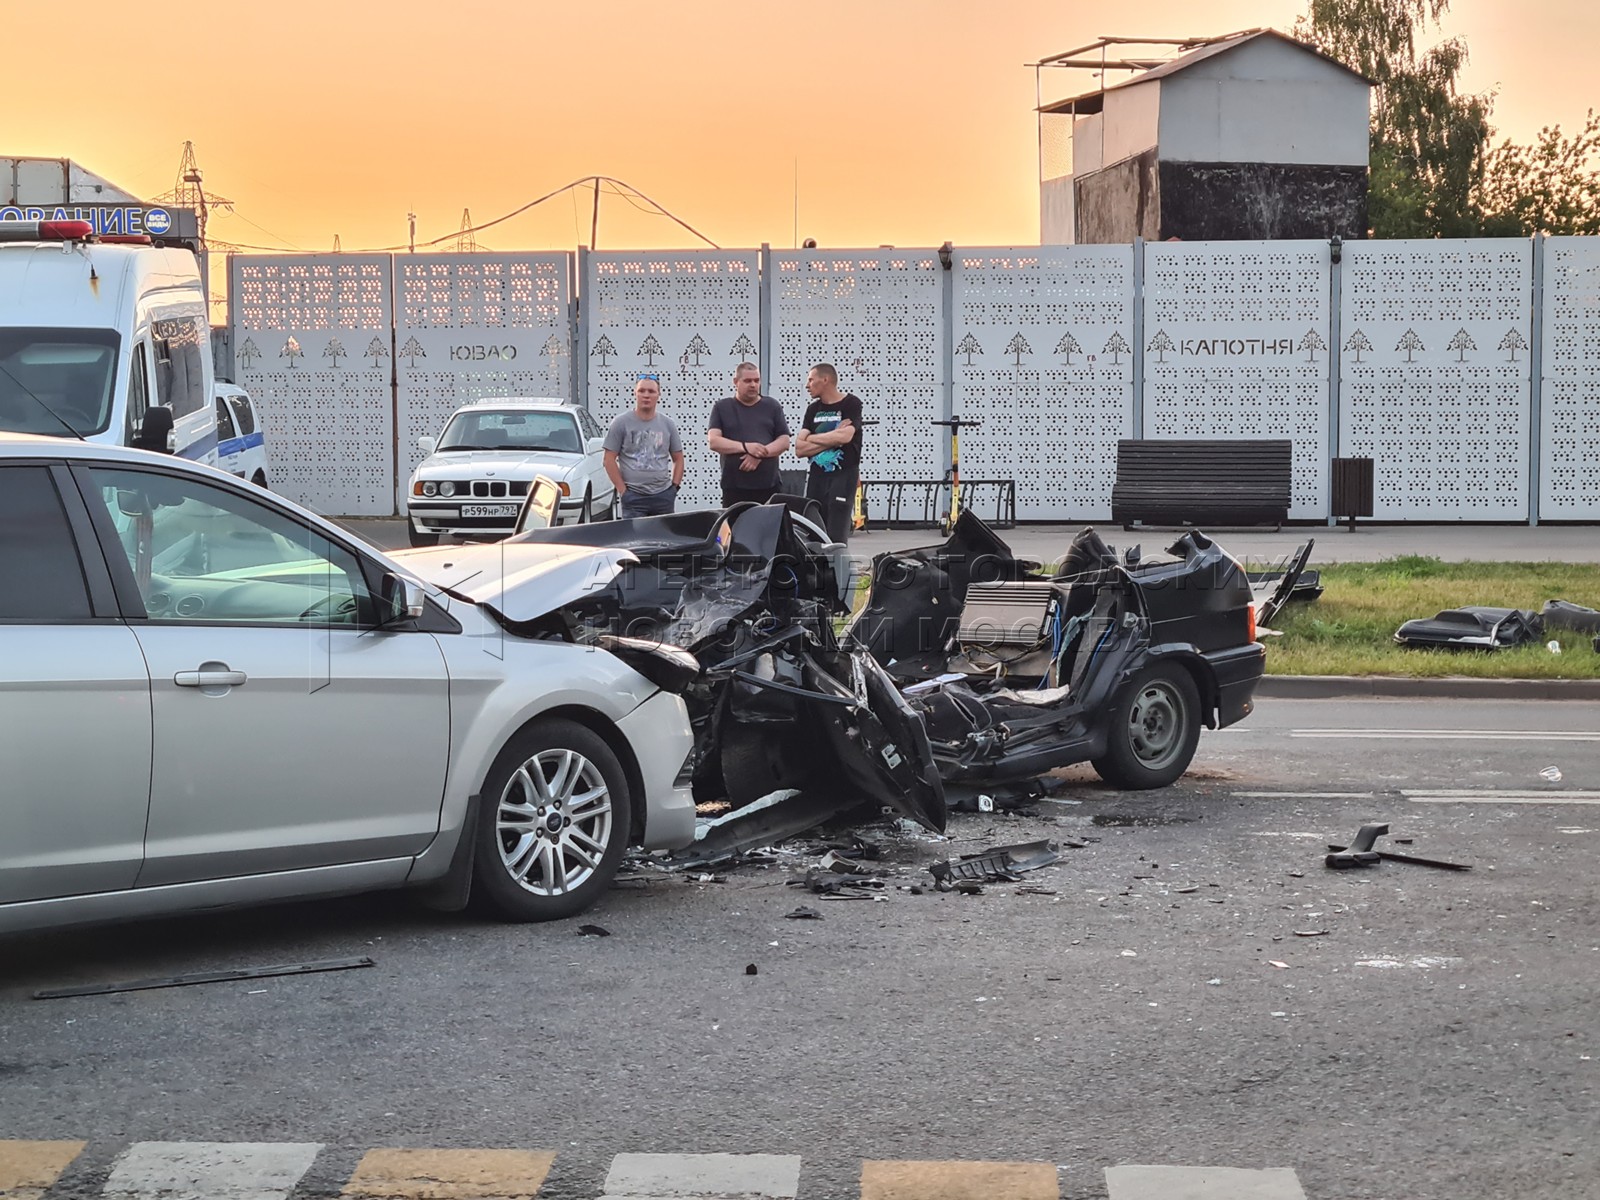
[1324,687]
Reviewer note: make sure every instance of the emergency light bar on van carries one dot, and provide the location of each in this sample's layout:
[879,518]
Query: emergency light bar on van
[44,231]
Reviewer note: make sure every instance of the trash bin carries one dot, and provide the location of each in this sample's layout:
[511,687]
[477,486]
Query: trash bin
[1352,488]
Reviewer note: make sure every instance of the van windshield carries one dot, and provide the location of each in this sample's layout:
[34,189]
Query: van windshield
[69,371]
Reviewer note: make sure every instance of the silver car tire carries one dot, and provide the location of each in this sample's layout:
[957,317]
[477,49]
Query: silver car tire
[554,826]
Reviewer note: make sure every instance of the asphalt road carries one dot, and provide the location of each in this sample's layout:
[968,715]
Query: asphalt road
[1438,1041]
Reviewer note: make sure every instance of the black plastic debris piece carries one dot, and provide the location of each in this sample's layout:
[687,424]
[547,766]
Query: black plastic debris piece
[752,970]
[593,931]
[1004,864]
[1474,628]
[1562,614]
[969,887]
[830,883]
[1361,853]
[804,914]
[198,977]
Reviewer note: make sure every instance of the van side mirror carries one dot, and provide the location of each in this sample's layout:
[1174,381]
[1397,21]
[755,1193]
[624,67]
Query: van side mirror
[427,444]
[156,431]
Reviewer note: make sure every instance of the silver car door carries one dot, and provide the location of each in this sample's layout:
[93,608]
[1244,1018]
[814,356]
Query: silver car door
[290,732]
[74,701]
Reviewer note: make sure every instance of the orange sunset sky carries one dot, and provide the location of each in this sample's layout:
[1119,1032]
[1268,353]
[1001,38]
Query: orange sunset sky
[911,121]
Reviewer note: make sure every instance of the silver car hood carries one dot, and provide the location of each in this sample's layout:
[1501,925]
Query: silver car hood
[518,581]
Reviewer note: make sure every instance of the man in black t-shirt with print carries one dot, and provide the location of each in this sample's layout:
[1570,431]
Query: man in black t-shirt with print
[830,436]
[749,431]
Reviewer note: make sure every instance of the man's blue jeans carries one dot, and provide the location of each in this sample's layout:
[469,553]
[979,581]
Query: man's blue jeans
[658,504]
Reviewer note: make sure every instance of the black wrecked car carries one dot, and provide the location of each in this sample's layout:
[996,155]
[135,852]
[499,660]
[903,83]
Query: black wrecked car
[965,663]
[1114,661]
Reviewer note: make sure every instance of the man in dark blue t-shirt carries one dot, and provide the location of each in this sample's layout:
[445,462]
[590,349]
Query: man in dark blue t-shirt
[749,431]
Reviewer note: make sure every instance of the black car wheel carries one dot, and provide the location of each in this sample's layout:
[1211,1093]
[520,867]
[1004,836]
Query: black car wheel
[586,509]
[554,825]
[421,539]
[1155,727]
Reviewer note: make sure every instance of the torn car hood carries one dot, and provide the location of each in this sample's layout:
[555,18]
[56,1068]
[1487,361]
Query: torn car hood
[519,581]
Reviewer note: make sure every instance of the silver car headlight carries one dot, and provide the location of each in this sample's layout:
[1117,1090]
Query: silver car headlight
[447,488]
[430,489]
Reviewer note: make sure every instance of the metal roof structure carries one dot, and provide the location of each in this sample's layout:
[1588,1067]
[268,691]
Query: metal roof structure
[1190,52]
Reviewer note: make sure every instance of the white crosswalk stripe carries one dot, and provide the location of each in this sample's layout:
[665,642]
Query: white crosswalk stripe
[1202,1183]
[210,1170]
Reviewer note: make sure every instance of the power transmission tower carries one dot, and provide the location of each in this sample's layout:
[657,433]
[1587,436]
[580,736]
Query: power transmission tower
[189,191]
[466,243]
[338,246]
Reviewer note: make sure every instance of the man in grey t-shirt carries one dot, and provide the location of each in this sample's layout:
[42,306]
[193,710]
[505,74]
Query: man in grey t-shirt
[644,454]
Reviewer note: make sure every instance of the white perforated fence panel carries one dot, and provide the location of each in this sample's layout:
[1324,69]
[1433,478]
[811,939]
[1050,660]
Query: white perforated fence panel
[1236,346]
[877,317]
[476,327]
[1435,376]
[1569,438]
[313,340]
[1041,359]
[689,317]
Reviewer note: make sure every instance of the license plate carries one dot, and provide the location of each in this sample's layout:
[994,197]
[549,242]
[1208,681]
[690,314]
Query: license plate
[488,510]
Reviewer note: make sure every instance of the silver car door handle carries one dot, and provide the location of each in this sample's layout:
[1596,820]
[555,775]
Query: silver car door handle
[212,678]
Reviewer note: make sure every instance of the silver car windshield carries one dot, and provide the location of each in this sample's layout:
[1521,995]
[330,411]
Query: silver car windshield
[70,372]
[500,429]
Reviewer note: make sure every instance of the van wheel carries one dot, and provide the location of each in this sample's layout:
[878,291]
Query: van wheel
[421,539]
[260,480]
[554,826]
[1155,727]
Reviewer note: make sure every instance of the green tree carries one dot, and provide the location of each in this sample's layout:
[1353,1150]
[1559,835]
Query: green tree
[1552,186]
[1429,141]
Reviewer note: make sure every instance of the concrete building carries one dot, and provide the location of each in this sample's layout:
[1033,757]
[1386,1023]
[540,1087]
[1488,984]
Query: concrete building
[1255,136]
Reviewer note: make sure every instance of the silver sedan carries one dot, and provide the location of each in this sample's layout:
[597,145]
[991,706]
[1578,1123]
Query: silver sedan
[210,696]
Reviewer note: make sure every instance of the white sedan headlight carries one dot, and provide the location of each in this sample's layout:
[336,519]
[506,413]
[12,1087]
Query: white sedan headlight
[430,489]
[447,488]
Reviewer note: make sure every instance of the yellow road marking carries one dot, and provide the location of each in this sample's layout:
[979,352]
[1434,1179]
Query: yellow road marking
[450,1174]
[28,1168]
[896,1180]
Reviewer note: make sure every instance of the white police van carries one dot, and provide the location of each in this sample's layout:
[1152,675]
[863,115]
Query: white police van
[104,338]
[241,442]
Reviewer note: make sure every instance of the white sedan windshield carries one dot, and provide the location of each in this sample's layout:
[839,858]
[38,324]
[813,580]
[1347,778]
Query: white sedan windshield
[501,430]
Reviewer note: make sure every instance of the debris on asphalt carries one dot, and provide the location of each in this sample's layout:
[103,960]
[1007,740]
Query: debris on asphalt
[171,981]
[1037,891]
[1553,774]
[1282,966]
[804,914]
[1311,933]
[1004,864]
[968,887]
[1361,853]
[752,970]
[593,931]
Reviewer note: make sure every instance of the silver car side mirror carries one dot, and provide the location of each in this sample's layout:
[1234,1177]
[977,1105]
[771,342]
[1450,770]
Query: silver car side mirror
[427,444]
[403,599]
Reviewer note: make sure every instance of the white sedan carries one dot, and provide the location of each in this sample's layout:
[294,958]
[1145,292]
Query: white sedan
[478,471]
[211,696]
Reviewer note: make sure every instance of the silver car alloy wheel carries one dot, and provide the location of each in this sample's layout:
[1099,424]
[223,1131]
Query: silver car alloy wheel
[554,822]
[1156,724]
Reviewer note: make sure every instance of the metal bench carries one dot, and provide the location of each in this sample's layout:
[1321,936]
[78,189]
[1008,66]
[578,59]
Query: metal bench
[1216,482]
